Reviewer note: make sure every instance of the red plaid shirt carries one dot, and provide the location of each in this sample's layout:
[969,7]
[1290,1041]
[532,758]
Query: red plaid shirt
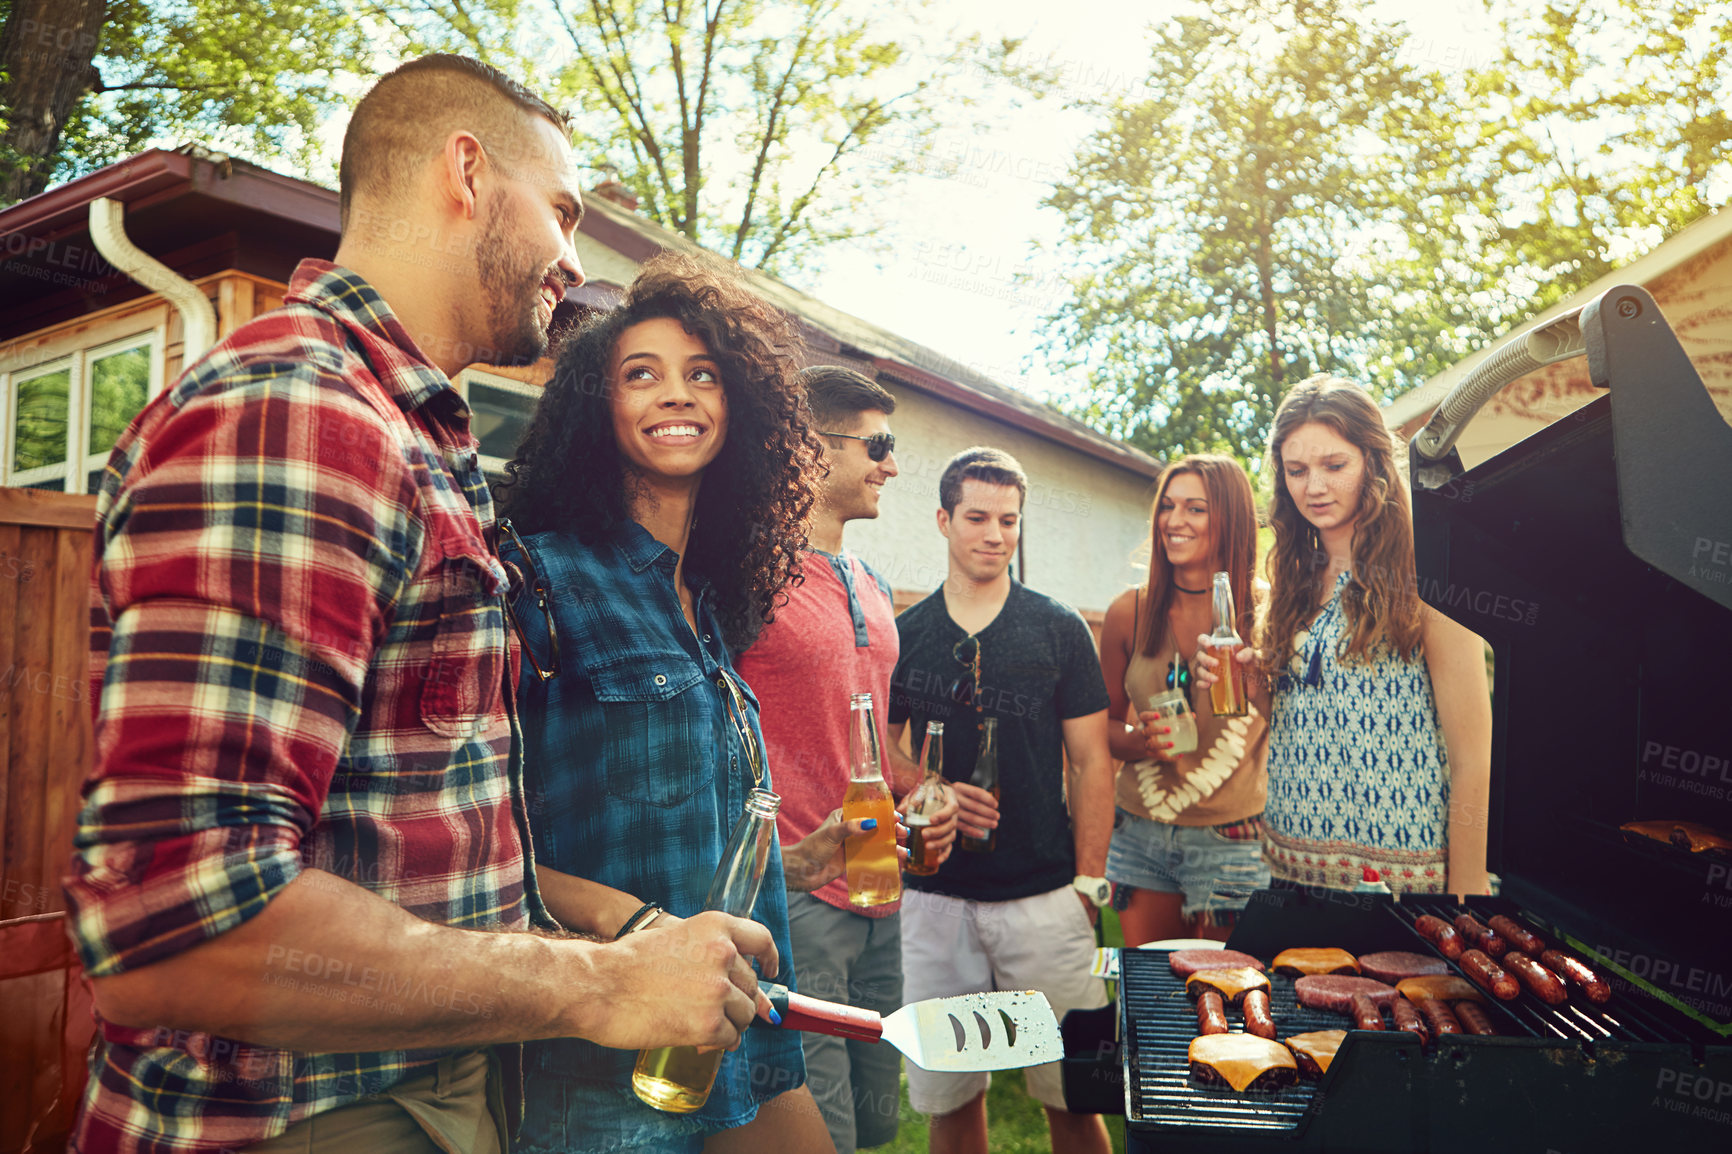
[299,653]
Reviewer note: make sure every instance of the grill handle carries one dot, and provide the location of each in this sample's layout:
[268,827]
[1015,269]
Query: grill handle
[1558,339]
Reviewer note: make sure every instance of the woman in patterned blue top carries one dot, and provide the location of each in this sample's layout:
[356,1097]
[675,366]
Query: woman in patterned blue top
[1380,723]
[661,492]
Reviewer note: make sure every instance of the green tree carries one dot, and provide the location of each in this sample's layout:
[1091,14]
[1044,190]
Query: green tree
[751,126]
[90,81]
[1246,218]
[1613,132]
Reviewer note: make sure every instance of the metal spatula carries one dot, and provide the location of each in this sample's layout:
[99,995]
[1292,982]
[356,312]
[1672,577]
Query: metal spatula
[1004,1030]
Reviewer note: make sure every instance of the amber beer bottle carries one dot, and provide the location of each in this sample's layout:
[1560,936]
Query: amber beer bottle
[874,874]
[925,802]
[1227,694]
[678,1079]
[985,777]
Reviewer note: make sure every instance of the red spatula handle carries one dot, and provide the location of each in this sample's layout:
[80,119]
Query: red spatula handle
[802,1013]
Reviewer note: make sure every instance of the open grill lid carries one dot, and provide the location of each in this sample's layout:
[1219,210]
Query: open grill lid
[1596,559]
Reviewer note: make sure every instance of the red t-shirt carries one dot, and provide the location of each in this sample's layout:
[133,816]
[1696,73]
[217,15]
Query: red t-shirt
[803,667]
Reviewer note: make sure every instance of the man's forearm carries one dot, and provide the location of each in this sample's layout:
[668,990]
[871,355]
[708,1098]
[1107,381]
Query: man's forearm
[1091,792]
[329,966]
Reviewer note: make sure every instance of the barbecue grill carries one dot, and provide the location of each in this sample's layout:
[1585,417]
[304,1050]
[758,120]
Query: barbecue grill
[1586,556]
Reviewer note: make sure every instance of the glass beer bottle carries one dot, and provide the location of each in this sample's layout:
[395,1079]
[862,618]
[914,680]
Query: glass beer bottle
[678,1079]
[1227,694]
[874,874]
[985,777]
[925,802]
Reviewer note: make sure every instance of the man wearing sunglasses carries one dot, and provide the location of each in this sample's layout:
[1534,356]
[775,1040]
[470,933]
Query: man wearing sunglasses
[836,636]
[303,891]
[1020,916]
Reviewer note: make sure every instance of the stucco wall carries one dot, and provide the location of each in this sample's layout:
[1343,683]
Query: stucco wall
[1083,522]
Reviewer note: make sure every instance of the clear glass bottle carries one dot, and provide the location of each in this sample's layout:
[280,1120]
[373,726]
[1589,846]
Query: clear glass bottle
[678,1078]
[1227,695]
[985,777]
[925,802]
[874,873]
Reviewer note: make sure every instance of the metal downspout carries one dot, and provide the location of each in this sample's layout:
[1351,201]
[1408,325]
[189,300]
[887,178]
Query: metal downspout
[198,319]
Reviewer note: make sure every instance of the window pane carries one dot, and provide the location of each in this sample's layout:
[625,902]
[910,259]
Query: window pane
[499,418]
[40,438]
[119,387]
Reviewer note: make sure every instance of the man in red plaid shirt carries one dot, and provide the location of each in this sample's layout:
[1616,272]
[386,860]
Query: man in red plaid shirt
[303,888]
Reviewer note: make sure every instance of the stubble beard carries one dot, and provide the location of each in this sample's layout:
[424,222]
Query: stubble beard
[516,334]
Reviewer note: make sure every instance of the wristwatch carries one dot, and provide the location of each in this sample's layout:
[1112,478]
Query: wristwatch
[1096,890]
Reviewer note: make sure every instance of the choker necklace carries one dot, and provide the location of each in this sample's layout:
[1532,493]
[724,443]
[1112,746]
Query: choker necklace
[1194,592]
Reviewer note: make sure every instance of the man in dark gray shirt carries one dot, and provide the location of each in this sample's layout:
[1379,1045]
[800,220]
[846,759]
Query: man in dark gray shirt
[1020,916]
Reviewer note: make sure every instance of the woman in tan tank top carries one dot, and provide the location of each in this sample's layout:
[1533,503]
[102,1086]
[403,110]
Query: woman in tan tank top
[1186,851]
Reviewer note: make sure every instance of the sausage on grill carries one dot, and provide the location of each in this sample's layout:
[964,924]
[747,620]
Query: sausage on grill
[1440,934]
[1407,1018]
[1474,1019]
[1597,989]
[1517,935]
[1546,986]
[1258,1019]
[1438,1015]
[1211,1013]
[1480,937]
[1366,1015]
[1489,976]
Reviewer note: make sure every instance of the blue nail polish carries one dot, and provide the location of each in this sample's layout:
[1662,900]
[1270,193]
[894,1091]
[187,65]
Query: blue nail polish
[775,1018]
[869,823]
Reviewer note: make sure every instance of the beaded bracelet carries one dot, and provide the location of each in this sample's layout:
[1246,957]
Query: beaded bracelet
[647,913]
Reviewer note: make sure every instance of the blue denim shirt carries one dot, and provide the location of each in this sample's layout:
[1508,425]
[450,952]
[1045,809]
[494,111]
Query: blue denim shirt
[635,776]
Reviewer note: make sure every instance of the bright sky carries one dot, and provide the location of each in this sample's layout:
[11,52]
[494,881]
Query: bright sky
[958,241]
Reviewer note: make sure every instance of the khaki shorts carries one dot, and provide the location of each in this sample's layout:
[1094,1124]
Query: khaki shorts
[951,946]
[454,1110]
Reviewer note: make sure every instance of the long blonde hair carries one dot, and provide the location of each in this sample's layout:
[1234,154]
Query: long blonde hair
[1381,602]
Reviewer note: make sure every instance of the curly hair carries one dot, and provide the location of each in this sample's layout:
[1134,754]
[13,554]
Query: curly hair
[1381,603]
[1232,516]
[750,521]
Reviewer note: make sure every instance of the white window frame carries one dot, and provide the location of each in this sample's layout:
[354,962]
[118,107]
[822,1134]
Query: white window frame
[80,365]
[495,465]
[149,339]
[18,478]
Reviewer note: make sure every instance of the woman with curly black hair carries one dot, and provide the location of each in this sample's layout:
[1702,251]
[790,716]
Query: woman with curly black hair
[657,508]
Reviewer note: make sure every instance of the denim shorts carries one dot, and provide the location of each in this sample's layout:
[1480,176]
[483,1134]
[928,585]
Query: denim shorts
[1216,867]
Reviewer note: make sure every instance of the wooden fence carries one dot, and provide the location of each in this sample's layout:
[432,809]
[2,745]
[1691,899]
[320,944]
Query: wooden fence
[45,748]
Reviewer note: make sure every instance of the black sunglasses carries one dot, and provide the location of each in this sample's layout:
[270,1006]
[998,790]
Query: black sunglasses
[878,445]
[527,576]
[967,651]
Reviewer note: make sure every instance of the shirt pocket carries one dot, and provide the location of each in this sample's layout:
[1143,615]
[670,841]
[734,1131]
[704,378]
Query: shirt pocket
[465,674]
[1030,685]
[660,743]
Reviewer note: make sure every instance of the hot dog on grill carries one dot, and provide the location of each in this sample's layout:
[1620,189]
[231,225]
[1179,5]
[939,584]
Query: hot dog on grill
[1211,1013]
[1480,937]
[1407,1018]
[1366,1015]
[1488,975]
[1473,1019]
[1517,935]
[1599,992]
[1440,934]
[1439,1017]
[1546,986]
[1258,1019]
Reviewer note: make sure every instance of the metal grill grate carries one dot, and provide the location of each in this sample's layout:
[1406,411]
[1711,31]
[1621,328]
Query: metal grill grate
[1159,1021]
[1627,1017]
